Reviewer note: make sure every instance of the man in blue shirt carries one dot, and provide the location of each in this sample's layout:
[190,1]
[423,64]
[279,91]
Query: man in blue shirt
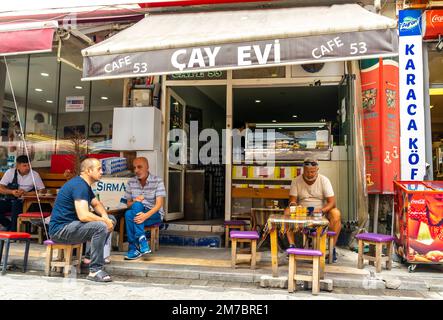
[72,222]
[145,194]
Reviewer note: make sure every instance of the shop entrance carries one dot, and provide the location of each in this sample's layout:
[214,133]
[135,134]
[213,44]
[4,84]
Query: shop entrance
[196,184]
[306,120]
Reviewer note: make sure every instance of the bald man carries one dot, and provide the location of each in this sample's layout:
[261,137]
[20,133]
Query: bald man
[145,194]
[72,222]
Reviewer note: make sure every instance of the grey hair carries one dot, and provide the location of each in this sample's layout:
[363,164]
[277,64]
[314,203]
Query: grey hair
[88,163]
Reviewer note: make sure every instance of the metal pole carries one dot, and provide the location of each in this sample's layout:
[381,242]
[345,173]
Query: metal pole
[376,204]
[427,113]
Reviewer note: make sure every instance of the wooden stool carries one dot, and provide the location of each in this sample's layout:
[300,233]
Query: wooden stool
[244,236]
[377,240]
[304,254]
[7,236]
[27,217]
[330,235]
[154,241]
[65,257]
[233,224]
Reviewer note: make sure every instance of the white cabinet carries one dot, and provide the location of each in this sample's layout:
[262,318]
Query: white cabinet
[136,128]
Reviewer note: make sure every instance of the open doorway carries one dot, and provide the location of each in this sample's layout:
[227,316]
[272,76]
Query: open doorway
[200,111]
[311,120]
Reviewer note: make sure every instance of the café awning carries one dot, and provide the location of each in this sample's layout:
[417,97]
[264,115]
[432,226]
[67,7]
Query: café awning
[219,40]
[29,37]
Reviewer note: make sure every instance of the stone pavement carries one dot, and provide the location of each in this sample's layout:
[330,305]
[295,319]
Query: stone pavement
[34,286]
[213,264]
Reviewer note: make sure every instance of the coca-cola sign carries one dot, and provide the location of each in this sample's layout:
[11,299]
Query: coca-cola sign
[437,18]
[433,24]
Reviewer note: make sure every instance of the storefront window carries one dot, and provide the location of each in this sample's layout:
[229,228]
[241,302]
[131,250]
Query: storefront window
[10,128]
[106,95]
[270,72]
[435,65]
[41,111]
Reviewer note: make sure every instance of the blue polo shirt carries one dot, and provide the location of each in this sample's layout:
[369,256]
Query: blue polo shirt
[64,212]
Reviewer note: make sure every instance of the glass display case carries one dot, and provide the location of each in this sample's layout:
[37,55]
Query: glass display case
[288,141]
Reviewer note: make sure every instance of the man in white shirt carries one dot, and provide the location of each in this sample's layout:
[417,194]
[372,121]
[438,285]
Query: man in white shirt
[315,190]
[14,184]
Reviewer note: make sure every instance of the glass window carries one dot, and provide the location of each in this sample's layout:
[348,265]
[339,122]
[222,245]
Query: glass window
[41,111]
[255,73]
[435,65]
[73,111]
[106,95]
[10,128]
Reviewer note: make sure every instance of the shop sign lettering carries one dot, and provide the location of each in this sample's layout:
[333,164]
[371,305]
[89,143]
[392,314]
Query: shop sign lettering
[412,130]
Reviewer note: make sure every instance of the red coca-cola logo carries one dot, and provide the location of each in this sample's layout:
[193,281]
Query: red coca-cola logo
[437,18]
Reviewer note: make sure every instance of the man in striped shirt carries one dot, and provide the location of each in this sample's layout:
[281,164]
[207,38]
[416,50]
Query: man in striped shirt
[145,194]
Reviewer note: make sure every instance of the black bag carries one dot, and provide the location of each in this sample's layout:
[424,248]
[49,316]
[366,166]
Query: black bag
[13,185]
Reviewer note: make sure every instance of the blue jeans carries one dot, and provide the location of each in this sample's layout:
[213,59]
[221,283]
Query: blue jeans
[133,230]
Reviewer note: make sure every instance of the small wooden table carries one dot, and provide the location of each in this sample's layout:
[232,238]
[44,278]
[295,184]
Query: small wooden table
[119,214]
[28,200]
[286,222]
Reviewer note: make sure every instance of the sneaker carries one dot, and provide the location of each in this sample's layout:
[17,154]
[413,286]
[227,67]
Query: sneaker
[144,246]
[133,254]
[334,256]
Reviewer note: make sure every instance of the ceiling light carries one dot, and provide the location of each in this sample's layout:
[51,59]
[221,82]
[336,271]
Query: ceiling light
[431,106]
[257,101]
[44,74]
[38,89]
[104,98]
[78,87]
[294,116]
[280,128]
[49,101]
[274,120]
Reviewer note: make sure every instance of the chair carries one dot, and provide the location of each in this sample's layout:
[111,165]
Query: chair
[330,235]
[65,258]
[377,240]
[7,236]
[27,217]
[232,224]
[244,236]
[304,254]
[154,241]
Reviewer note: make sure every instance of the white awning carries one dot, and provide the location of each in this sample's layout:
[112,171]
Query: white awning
[188,42]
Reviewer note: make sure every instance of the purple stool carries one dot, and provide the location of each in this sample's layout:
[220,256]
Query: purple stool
[65,258]
[233,224]
[378,241]
[304,254]
[330,235]
[154,242]
[241,237]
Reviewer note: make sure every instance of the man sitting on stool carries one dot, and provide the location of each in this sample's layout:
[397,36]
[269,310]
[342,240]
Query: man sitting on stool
[14,184]
[144,193]
[314,190]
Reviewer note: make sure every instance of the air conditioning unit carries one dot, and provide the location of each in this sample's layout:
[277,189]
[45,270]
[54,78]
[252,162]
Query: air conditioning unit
[318,70]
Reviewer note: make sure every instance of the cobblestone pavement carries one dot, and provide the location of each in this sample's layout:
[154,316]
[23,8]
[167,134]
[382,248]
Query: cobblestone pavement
[33,285]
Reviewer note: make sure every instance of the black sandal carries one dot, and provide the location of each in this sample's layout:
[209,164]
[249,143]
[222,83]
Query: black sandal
[101,276]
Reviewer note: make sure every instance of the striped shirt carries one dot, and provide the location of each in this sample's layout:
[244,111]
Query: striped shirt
[153,188]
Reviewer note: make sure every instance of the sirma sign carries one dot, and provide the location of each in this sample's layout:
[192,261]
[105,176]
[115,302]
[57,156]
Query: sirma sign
[412,127]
